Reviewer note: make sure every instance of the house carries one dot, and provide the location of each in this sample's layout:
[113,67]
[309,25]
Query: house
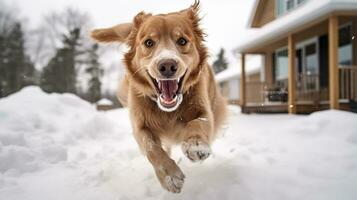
[229,79]
[310,56]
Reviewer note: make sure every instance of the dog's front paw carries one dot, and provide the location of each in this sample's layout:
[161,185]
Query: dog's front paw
[170,176]
[195,149]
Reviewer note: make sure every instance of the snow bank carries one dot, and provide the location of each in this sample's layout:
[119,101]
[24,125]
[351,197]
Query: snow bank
[59,147]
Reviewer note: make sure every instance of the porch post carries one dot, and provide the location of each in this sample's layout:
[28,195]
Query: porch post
[242,83]
[333,62]
[291,75]
[268,68]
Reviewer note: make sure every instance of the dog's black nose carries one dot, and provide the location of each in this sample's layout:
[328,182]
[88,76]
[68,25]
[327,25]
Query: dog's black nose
[167,67]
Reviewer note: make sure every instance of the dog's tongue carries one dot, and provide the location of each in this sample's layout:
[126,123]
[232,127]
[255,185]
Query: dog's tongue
[168,89]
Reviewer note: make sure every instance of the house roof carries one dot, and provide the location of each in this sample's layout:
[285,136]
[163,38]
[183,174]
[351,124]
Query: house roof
[311,10]
[253,65]
[254,14]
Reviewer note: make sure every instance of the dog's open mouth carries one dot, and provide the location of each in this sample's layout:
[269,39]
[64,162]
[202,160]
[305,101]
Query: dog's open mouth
[169,94]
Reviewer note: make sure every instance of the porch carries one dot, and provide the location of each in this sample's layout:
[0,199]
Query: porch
[263,97]
[313,68]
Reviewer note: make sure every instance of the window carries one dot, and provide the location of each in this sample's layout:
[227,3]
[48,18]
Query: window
[280,7]
[345,45]
[289,4]
[283,6]
[281,64]
[307,65]
[311,59]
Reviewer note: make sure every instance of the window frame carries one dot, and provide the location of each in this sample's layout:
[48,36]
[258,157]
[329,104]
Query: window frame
[347,24]
[285,48]
[285,7]
[301,45]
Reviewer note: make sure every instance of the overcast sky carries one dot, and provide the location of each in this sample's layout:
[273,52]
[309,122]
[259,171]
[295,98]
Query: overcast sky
[225,21]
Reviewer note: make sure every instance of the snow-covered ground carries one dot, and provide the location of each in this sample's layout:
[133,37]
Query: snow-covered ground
[55,147]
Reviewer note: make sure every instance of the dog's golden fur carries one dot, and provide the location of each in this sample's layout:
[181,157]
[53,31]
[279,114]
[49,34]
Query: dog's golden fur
[195,122]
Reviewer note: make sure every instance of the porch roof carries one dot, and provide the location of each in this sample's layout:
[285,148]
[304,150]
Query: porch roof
[310,12]
[253,65]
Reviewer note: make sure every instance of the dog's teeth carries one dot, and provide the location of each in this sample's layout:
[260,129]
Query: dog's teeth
[157,80]
[178,80]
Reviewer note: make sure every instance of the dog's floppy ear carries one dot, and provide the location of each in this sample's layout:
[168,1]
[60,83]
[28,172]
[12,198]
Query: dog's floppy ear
[124,33]
[118,33]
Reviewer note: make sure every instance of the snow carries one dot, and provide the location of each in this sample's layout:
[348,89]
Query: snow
[56,146]
[306,13]
[105,102]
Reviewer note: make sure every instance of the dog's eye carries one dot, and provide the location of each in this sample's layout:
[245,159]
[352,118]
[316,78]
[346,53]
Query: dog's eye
[149,43]
[181,41]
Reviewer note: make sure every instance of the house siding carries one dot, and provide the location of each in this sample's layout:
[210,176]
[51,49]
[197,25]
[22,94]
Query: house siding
[230,88]
[264,14]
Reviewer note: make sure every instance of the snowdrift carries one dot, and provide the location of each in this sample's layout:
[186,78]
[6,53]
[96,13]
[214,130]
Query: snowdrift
[56,146]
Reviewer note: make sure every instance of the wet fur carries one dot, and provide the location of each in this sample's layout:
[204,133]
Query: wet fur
[196,121]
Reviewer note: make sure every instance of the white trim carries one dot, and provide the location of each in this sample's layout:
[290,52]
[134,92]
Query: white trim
[262,70]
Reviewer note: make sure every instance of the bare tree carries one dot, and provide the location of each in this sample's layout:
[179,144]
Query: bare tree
[7,18]
[48,37]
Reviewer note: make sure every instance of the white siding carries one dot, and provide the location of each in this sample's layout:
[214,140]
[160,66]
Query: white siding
[233,85]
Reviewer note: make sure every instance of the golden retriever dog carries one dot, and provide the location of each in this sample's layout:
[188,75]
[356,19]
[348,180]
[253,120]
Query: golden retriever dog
[169,88]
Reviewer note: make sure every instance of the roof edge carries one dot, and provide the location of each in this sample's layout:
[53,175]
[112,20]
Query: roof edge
[323,10]
[253,14]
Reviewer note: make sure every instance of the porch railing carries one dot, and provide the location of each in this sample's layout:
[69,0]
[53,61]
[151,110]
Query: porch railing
[348,82]
[255,92]
[307,88]
[259,92]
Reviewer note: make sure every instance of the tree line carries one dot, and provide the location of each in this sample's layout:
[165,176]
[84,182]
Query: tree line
[56,56]
[61,49]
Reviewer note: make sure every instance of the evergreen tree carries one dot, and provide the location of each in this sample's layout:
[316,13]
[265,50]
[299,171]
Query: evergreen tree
[95,72]
[3,64]
[60,73]
[16,69]
[221,63]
